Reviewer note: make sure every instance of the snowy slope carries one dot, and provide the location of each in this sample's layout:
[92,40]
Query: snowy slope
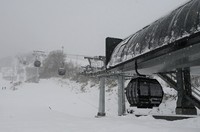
[58,105]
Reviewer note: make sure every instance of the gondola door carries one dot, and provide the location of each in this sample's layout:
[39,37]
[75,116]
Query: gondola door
[143,94]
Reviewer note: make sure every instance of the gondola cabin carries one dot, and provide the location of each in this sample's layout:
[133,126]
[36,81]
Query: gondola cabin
[144,92]
[37,63]
[61,71]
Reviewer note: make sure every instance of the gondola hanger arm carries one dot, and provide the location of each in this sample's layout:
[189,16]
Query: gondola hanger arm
[136,70]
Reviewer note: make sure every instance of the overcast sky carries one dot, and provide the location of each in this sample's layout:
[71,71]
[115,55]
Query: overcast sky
[81,26]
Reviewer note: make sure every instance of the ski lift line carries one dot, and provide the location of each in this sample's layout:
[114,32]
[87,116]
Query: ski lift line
[38,51]
[84,56]
[79,58]
[76,55]
[105,73]
[41,53]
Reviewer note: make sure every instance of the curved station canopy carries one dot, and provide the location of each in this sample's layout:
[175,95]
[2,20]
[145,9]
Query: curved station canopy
[170,45]
[177,30]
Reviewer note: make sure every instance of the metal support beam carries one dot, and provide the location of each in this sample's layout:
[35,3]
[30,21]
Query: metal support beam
[101,111]
[187,81]
[184,105]
[180,88]
[194,101]
[121,96]
[168,80]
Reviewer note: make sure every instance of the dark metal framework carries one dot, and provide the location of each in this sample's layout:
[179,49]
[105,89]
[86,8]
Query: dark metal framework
[168,45]
[177,25]
[179,54]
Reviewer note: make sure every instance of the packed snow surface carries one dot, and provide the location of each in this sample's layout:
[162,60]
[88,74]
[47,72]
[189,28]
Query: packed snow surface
[61,105]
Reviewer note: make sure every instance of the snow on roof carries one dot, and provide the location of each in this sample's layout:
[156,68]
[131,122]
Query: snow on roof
[180,23]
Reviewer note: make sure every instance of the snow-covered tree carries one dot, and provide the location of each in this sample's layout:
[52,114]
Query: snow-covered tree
[52,63]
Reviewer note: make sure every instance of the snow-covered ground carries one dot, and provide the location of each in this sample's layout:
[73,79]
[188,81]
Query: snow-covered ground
[61,105]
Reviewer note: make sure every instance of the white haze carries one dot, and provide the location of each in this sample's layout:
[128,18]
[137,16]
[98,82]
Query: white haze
[81,26]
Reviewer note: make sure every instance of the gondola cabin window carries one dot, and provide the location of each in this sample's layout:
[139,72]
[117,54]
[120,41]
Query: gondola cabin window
[155,90]
[144,88]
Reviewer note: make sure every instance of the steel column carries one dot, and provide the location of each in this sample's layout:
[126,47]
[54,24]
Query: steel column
[101,111]
[184,106]
[168,80]
[121,96]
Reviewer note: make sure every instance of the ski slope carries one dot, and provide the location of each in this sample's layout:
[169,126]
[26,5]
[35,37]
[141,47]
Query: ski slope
[59,105]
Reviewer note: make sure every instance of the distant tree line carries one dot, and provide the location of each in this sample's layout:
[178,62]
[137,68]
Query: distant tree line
[51,64]
[54,61]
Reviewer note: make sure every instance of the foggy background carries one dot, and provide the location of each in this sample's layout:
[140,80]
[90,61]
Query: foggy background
[81,26]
